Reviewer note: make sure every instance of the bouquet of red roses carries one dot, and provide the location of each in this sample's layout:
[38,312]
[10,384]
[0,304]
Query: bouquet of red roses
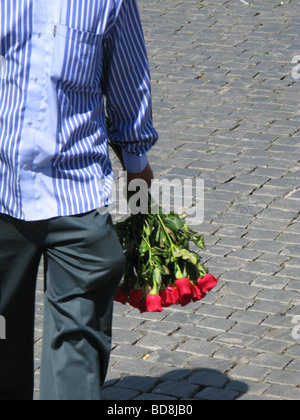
[161,269]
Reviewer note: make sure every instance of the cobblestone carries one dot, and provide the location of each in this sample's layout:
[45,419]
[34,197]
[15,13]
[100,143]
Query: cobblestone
[227,109]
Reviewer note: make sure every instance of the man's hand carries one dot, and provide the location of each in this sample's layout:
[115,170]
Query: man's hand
[146,175]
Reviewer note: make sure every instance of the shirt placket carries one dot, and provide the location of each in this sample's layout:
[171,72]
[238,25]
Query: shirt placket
[31,127]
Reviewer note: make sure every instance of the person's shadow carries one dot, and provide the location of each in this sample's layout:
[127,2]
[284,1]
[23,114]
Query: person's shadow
[178,384]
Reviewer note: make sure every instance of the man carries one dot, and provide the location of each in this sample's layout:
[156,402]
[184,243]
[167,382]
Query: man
[61,59]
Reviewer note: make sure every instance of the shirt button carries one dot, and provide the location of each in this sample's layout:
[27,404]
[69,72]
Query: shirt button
[30,124]
[25,167]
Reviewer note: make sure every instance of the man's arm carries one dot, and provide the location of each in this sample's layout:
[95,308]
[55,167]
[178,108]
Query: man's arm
[146,175]
[138,167]
[127,87]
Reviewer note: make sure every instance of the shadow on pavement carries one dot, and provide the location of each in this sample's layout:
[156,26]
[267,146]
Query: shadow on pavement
[200,384]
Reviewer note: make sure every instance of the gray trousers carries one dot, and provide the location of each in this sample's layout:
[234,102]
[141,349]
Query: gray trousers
[84,264]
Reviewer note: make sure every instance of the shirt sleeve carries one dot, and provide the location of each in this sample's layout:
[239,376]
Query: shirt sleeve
[126,82]
[135,163]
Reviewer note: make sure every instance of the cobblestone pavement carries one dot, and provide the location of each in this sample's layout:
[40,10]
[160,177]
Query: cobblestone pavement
[225,93]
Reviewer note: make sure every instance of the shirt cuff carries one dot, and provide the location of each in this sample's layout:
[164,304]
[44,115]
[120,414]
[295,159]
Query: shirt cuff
[135,163]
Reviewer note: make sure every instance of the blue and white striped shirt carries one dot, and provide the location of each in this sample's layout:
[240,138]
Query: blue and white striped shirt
[62,58]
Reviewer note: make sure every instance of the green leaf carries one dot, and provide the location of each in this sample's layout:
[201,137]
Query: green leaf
[187,255]
[202,270]
[163,238]
[157,276]
[167,272]
[174,223]
[199,241]
[185,243]
[147,230]
[158,251]
[143,248]
[157,236]
[157,261]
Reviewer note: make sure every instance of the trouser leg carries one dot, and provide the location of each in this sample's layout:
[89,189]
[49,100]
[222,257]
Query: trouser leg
[19,261]
[84,265]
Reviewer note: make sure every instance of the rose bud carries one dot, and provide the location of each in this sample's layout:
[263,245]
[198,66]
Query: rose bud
[135,297]
[175,296]
[185,300]
[185,291]
[166,297]
[121,295]
[197,294]
[142,306]
[153,303]
[207,283]
[184,287]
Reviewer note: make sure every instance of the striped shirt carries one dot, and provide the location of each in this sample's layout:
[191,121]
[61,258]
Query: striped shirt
[67,64]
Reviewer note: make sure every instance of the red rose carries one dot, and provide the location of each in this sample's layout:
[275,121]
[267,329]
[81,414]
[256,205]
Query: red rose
[142,306]
[121,295]
[153,303]
[197,294]
[175,296]
[135,298]
[185,291]
[184,287]
[185,300]
[207,283]
[167,297]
